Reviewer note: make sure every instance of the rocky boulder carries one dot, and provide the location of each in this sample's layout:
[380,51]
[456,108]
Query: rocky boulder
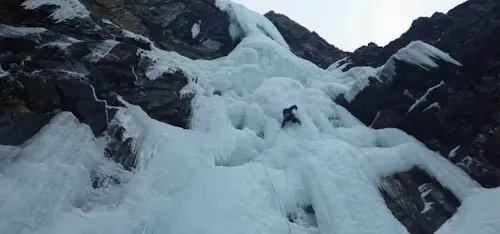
[304,43]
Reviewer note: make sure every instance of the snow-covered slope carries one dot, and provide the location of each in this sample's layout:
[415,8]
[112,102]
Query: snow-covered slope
[235,170]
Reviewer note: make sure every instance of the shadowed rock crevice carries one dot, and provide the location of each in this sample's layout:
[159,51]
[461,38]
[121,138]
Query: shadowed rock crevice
[304,216]
[120,146]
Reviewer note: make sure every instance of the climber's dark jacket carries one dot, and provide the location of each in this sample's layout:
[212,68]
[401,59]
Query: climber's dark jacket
[289,115]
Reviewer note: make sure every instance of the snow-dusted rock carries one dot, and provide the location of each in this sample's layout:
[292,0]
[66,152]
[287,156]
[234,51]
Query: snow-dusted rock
[304,43]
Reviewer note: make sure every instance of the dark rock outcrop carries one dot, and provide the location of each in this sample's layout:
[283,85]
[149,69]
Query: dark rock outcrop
[120,147]
[17,122]
[82,65]
[304,43]
[462,113]
[170,24]
[418,201]
[367,55]
[385,119]
[468,33]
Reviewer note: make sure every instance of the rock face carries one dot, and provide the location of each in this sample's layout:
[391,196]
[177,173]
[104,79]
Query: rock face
[464,32]
[81,64]
[367,55]
[459,118]
[305,44]
[81,61]
[418,201]
[171,24]
[385,119]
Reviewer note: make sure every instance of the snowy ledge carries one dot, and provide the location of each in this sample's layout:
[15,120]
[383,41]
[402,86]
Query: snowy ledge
[417,53]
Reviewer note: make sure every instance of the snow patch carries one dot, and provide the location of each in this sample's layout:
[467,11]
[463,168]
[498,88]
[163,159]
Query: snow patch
[408,94]
[424,97]
[360,78]
[67,9]
[417,53]
[195,30]
[106,21]
[15,32]
[3,73]
[433,105]
[424,191]
[62,44]
[138,37]
[101,50]
[109,22]
[453,152]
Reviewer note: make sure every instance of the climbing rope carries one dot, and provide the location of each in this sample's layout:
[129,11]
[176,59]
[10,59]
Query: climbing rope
[274,189]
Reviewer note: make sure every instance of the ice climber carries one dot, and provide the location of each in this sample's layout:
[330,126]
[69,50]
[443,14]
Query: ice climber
[289,115]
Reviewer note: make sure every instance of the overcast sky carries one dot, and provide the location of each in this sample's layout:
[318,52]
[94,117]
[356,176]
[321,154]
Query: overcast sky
[349,24]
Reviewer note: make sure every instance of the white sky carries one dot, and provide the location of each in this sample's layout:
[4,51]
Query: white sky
[349,24]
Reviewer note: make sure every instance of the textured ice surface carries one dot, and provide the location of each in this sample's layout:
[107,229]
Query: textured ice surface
[213,178]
